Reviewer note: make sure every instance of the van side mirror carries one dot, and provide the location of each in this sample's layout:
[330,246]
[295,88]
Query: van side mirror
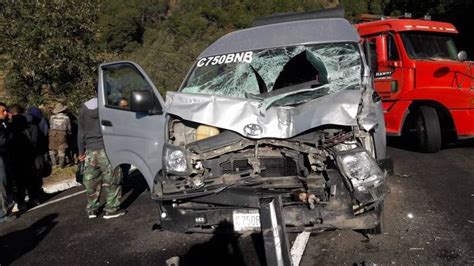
[143,101]
[462,56]
[381,44]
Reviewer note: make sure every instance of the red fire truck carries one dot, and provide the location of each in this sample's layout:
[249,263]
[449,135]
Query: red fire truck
[426,84]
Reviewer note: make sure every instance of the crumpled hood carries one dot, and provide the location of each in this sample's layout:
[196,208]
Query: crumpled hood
[249,118]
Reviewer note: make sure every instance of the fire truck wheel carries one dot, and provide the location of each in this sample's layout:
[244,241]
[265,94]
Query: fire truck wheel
[428,130]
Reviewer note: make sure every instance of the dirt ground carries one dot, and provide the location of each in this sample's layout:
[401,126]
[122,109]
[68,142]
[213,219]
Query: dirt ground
[58,175]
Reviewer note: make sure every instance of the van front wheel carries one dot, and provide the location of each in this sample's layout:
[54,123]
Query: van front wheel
[428,131]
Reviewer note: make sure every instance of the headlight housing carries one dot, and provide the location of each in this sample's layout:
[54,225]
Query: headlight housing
[175,160]
[360,168]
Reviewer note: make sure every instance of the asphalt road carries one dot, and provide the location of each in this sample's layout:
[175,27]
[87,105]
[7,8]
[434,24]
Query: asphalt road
[429,219]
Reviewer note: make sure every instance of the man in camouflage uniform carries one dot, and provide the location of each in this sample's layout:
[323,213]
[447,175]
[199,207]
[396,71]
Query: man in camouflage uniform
[60,128]
[97,168]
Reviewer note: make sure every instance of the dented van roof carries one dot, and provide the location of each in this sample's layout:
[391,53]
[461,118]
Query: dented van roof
[292,33]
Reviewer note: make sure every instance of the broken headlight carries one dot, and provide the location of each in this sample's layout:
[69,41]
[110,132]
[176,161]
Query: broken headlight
[174,160]
[360,168]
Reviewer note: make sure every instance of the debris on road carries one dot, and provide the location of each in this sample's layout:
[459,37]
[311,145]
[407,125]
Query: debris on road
[173,261]
[402,175]
[62,186]
[60,180]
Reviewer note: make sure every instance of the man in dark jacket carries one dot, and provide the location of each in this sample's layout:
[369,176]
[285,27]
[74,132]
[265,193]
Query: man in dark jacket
[97,168]
[43,168]
[4,139]
[39,120]
[23,151]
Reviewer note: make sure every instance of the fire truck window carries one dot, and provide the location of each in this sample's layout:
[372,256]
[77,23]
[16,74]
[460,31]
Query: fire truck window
[392,49]
[373,55]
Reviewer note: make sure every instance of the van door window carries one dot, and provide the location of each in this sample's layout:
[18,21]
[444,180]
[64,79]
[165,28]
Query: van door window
[119,82]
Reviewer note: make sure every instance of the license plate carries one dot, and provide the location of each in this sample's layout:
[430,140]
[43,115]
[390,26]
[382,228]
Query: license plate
[245,220]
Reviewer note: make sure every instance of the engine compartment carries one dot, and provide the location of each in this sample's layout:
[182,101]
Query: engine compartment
[227,159]
[227,170]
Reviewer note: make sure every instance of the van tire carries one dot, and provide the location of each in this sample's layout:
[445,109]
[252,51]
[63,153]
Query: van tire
[428,131]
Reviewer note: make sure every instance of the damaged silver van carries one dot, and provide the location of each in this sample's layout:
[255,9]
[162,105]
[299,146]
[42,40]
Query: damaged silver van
[284,109]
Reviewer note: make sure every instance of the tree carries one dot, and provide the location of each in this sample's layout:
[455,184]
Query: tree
[122,23]
[170,47]
[51,49]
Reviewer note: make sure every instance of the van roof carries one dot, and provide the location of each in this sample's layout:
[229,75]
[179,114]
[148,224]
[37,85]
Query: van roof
[312,31]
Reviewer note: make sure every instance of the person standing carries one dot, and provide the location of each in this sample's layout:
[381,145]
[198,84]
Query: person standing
[4,138]
[23,153]
[43,127]
[60,128]
[39,120]
[97,168]
[72,140]
[43,168]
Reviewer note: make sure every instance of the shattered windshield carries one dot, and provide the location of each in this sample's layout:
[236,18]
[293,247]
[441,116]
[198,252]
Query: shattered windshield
[313,70]
[428,45]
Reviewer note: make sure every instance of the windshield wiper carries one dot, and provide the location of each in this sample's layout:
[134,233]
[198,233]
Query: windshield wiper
[311,85]
[312,92]
[274,96]
[262,87]
[299,98]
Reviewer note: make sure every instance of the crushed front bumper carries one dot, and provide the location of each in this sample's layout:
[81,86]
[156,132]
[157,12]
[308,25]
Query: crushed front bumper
[214,213]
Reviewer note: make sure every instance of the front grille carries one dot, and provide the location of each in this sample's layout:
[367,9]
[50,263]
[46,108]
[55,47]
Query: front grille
[278,167]
[271,166]
[235,166]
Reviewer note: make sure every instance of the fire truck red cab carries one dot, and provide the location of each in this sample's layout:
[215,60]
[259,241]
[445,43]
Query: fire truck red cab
[426,84]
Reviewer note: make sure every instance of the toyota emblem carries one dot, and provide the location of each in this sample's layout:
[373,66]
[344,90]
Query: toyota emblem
[253,130]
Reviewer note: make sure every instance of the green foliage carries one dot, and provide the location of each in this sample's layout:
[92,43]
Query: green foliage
[51,49]
[417,8]
[171,47]
[355,7]
[123,36]
[122,23]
